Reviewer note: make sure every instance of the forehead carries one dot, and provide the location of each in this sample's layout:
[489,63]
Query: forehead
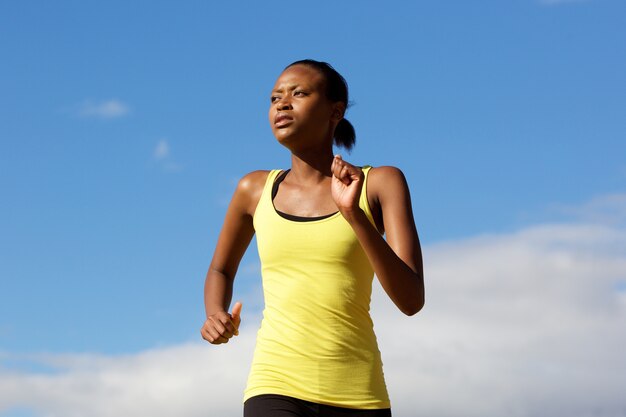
[299,75]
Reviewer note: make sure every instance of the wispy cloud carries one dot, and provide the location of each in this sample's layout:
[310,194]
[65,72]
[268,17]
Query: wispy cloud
[161,155]
[108,109]
[521,324]
[162,150]
[605,209]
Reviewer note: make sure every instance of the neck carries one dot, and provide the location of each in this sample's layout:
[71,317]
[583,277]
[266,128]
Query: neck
[311,166]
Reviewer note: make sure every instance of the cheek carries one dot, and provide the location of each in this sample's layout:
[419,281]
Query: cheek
[271,114]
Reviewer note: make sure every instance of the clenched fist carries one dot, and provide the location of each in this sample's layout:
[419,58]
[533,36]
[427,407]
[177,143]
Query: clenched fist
[221,326]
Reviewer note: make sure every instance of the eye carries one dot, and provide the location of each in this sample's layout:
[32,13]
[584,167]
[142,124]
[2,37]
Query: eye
[299,93]
[274,98]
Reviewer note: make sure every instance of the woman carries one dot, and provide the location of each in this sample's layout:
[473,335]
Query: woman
[319,229]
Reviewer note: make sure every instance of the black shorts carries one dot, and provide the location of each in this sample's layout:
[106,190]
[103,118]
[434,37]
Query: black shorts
[273,405]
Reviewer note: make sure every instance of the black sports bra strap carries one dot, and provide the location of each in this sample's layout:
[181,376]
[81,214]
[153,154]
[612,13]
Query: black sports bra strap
[288,216]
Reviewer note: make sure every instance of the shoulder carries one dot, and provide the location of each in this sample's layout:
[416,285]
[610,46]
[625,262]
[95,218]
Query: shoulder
[386,172]
[253,182]
[249,190]
[385,179]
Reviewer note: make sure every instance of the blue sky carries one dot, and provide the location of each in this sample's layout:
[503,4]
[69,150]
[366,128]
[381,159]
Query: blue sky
[124,127]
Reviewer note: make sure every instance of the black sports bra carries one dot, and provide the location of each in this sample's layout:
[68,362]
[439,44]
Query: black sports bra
[287,216]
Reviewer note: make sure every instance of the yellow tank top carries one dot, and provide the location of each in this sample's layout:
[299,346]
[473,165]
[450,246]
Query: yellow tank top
[316,340]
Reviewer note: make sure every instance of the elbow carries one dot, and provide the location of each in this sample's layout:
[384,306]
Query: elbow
[413,308]
[415,303]
[411,300]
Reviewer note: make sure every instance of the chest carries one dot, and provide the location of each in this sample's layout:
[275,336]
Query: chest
[304,201]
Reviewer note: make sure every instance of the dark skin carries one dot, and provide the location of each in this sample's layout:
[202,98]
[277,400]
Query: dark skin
[303,120]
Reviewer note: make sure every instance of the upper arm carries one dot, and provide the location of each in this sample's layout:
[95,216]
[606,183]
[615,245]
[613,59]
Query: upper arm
[389,192]
[237,230]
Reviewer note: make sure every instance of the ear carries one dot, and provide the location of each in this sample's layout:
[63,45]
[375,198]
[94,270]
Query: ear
[339,110]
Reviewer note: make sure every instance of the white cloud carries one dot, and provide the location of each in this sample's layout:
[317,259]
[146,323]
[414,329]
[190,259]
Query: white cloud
[161,154]
[523,324]
[186,380]
[162,150]
[108,109]
[606,209]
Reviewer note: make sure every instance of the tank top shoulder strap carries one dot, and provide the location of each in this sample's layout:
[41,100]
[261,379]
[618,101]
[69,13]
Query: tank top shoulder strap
[266,196]
[271,177]
[363,200]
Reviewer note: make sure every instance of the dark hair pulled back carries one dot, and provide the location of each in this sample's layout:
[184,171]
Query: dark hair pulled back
[336,90]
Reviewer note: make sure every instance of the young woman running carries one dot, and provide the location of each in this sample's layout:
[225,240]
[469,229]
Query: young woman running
[319,228]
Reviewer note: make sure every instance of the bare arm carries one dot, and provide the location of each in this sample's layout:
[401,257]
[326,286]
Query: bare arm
[397,261]
[234,238]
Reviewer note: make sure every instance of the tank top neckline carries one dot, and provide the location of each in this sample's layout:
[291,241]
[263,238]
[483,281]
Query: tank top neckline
[292,217]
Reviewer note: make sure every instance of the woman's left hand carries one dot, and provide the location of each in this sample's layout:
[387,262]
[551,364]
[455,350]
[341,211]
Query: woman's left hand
[346,185]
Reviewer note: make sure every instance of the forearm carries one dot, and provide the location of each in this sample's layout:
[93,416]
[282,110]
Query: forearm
[218,292]
[403,284]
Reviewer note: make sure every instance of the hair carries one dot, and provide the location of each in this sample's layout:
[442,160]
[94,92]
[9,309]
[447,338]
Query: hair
[336,90]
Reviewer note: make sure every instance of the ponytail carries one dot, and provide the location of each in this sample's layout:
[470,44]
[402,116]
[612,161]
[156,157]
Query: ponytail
[345,136]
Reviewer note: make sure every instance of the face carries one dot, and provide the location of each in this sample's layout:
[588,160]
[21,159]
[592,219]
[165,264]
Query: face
[300,114]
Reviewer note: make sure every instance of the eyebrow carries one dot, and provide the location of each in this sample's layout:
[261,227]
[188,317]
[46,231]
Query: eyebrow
[289,87]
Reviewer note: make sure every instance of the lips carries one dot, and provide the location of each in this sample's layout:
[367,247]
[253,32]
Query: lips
[282,120]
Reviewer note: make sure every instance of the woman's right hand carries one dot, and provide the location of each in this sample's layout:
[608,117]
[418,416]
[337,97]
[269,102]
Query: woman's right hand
[221,326]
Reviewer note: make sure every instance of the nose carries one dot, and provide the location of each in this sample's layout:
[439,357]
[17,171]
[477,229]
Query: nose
[283,104]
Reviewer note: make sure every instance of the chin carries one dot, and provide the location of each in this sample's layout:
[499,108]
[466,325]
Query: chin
[283,137]
[285,142]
